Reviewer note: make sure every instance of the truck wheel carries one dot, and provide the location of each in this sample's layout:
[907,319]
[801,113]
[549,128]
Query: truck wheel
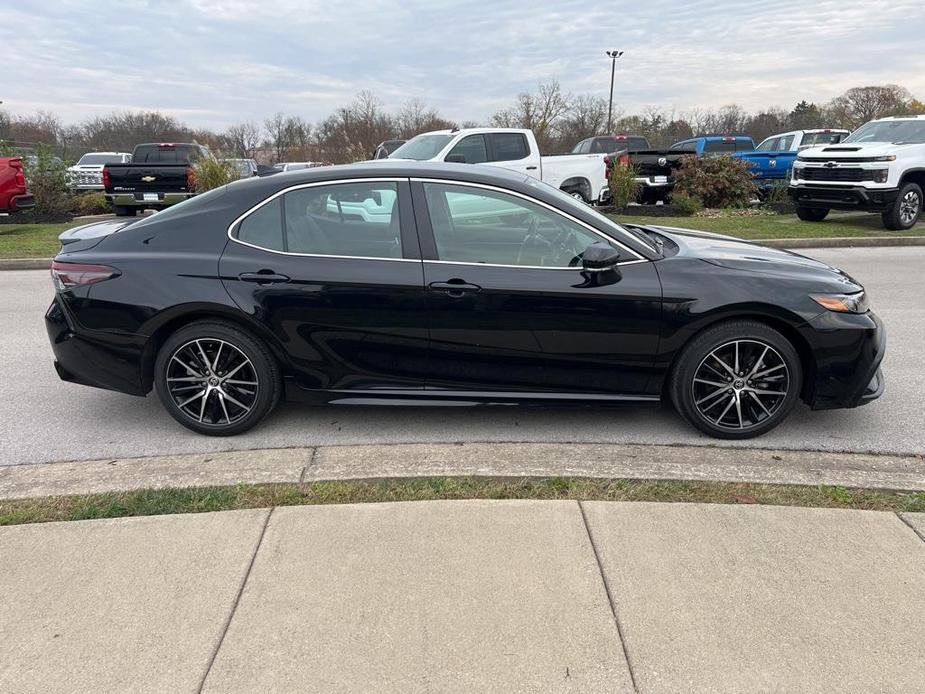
[905,212]
[812,214]
[122,211]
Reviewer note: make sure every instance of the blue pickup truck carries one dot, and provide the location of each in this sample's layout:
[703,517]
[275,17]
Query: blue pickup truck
[773,159]
[715,145]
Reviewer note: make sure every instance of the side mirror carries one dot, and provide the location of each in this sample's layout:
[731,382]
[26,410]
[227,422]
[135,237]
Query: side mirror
[456,158]
[599,265]
[600,257]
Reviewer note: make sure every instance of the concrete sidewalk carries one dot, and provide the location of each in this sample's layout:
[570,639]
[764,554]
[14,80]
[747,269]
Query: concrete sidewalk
[480,596]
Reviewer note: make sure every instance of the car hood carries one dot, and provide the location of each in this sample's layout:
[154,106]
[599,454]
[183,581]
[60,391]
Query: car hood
[738,254]
[851,150]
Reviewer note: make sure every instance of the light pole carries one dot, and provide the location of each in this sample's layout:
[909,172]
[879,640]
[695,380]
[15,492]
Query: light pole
[613,55]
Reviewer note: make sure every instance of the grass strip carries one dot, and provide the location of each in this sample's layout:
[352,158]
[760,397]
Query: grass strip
[199,500]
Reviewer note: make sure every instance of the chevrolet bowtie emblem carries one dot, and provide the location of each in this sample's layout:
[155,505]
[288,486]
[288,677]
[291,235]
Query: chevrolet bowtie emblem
[147,179]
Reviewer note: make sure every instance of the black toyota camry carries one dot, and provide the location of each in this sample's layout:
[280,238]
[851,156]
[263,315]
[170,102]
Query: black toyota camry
[424,283]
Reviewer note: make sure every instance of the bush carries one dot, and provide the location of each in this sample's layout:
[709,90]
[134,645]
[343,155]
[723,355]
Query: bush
[89,203]
[209,173]
[686,205]
[622,184]
[716,181]
[46,179]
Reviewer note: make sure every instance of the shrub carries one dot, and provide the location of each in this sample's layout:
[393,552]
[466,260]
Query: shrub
[686,205]
[89,203]
[622,184]
[716,181]
[46,178]
[209,173]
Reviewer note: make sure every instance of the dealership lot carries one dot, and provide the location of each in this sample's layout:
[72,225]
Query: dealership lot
[47,420]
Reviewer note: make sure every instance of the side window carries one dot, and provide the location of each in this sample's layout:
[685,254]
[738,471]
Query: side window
[577,148]
[769,145]
[264,227]
[472,148]
[347,219]
[604,145]
[474,225]
[744,146]
[509,146]
[786,143]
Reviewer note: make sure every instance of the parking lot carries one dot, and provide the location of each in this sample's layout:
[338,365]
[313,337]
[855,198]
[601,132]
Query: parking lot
[45,420]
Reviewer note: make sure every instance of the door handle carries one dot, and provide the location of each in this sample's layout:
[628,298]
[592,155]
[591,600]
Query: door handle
[531,168]
[455,288]
[262,277]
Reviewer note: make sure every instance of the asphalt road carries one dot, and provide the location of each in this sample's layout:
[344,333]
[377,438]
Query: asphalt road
[43,419]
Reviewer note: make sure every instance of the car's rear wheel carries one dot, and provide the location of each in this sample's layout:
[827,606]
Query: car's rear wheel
[812,214]
[216,379]
[905,212]
[737,380]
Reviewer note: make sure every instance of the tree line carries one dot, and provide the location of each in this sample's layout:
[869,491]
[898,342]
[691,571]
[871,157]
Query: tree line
[351,133]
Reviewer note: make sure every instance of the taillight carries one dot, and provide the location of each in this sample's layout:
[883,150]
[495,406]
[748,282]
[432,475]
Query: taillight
[190,178]
[105,177]
[624,160]
[19,178]
[67,275]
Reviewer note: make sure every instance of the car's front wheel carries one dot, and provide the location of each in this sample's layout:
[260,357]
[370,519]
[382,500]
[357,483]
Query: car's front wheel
[216,379]
[905,212]
[737,380]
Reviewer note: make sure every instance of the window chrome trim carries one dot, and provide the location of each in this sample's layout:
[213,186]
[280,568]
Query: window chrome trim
[554,210]
[573,268]
[315,184]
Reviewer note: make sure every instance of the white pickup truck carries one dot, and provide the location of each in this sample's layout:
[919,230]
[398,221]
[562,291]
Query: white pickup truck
[879,168]
[583,176]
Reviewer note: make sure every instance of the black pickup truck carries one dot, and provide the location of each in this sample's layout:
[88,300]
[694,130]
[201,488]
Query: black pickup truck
[159,176]
[655,172]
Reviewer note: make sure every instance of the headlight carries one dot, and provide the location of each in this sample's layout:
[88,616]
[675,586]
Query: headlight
[890,157]
[843,303]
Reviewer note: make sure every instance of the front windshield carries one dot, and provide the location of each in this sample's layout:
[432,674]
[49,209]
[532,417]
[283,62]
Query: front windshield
[570,204]
[892,131]
[422,147]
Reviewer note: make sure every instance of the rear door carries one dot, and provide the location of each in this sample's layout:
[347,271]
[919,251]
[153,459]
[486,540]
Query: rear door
[333,270]
[512,151]
[509,308]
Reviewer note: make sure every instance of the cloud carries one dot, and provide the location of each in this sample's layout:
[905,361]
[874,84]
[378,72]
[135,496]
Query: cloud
[216,62]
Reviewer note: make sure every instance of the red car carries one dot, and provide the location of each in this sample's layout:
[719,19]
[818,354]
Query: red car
[13,195]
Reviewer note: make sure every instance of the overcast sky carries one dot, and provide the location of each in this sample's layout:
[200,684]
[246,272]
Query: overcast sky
[217,62]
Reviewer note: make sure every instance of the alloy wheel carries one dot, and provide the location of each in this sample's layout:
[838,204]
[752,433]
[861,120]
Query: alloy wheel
[909,207]
[212,382]
[741,384]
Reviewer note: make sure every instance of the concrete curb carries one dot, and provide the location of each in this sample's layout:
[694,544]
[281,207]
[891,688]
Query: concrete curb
[846,242]
[294,465]
[25,263]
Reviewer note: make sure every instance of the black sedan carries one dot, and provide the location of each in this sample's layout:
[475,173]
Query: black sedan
[419,283]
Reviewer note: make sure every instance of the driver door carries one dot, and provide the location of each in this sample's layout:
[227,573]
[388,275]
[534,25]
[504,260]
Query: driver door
[509,309]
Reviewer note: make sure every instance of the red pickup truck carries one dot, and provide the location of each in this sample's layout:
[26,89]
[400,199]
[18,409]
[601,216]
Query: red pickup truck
[13,194]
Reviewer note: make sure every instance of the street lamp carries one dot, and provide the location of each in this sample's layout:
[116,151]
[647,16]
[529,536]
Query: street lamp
[613,55]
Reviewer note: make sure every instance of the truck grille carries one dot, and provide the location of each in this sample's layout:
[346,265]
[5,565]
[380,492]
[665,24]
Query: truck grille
[837,175]
[88,178]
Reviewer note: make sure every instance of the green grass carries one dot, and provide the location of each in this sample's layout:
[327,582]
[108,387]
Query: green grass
[168,501]
[780,226]
[31,240]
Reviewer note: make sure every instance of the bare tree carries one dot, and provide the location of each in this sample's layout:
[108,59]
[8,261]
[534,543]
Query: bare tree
[861,104]
[540,112]
[416,117]
[244,139]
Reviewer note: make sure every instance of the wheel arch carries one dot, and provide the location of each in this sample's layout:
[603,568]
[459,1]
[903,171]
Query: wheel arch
[914,176]
[171,320]
[772,317]
[580,184]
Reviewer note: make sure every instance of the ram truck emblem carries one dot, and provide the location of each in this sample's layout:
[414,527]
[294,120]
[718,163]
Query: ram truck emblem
[662,161]
[772,163]
[148,179]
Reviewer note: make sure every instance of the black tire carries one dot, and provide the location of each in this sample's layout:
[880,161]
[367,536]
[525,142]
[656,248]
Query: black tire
[649,197]
[578,195]
[907,210]
[739,415]
[122,211]
[219,402]
[812,214]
